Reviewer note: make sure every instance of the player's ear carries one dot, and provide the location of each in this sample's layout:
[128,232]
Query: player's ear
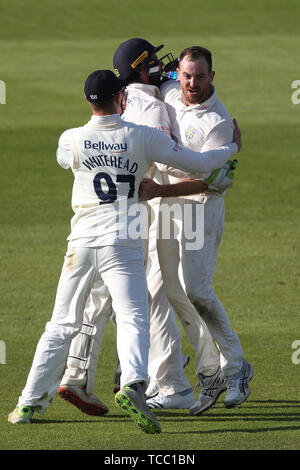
[212,75]
[85,98]
[177,78]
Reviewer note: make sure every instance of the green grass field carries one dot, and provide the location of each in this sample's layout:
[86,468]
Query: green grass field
[47,49]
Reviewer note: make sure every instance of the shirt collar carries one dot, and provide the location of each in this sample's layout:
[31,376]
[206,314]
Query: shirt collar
[151,90]
[106,121]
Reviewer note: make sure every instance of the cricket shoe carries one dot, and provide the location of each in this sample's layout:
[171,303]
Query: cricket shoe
[21,414]
[211,388]
[177,400]
[134,403]
[238,386]
[153,387]
[89,404]
[152,390]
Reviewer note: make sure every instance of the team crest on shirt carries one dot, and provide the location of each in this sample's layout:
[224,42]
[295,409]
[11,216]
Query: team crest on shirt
[190,133]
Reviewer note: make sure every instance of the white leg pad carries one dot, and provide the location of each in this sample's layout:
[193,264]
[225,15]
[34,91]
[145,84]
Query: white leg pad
[85,347]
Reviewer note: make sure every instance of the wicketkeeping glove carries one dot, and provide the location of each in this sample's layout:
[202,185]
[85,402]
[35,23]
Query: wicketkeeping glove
[222,178]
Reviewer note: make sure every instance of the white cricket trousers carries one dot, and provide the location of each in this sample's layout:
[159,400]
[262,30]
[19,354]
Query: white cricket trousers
[195,269]
[122,270]
[165,355]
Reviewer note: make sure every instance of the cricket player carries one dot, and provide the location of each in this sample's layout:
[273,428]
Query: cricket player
[200,122]
[108,158]
[143,106]
[136,62]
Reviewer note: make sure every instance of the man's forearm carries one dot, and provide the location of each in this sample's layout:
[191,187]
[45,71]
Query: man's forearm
[184,188]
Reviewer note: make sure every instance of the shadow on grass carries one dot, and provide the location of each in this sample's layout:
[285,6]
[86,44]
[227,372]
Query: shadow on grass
[237,415]
[238,430]
[111,418]
[216,414]
[238,412]
[274,402]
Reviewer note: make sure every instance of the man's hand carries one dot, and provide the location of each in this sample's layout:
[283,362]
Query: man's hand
[222,179]
[148,189]
[237,135]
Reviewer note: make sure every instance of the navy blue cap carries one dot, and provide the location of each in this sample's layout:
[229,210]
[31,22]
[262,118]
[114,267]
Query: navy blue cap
[131,54]
[102,85]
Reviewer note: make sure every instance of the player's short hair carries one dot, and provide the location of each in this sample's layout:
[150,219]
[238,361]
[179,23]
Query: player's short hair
[194,53]
[106,105]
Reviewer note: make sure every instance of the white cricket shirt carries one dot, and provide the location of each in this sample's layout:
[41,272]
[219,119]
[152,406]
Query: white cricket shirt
[144,106]
[199,127]
[109,157]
